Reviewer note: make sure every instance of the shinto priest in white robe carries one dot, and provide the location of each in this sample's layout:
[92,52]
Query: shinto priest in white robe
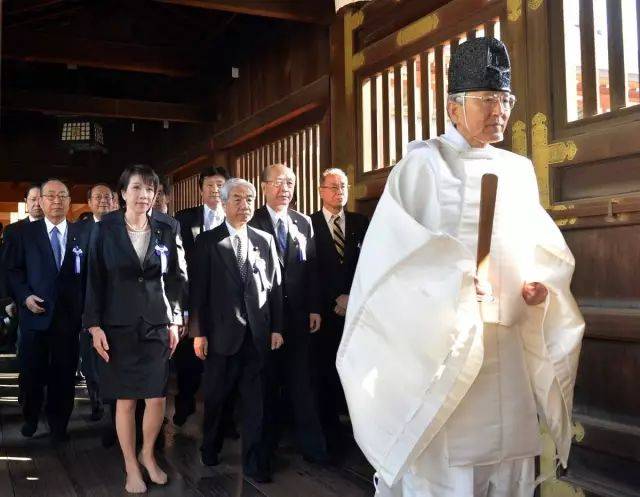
[434,380]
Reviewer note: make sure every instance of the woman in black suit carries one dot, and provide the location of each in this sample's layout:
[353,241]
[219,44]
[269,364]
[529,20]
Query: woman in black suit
[136,280]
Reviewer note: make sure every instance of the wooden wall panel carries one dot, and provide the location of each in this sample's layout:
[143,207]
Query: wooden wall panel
[285,62]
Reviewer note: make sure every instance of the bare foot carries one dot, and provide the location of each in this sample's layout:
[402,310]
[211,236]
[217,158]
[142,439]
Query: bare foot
[134,483]
[156,475]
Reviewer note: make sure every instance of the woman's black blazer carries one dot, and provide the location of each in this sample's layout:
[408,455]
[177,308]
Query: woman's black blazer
[121,291]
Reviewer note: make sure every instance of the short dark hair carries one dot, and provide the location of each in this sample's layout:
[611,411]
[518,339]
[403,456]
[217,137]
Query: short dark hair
[90,190]
[148,175]
[31,187]
[166,185]
[209,171]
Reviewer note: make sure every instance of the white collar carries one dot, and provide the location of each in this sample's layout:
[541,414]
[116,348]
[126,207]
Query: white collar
[328,215]
[32,219]
[95,219]
[276,216]
[454,138]
[242,232]
[62,226]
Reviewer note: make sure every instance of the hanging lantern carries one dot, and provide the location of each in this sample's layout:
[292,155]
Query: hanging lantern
[83,135]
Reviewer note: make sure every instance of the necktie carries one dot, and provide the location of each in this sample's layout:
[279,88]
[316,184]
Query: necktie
[56,245]
[208,223]
[242,266]
[282,237]
[338,237]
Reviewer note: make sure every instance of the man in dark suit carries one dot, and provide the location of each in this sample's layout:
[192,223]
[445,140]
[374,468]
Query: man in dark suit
[99,200]
[339,236]
[297,257]
[194,221]
[47,261]
[236,319]
[34,212]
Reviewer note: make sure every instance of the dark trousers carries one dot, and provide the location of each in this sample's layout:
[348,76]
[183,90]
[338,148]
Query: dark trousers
[88,366]
[48,359]
[331,399]
[246,369]
[188,375]
[293,372]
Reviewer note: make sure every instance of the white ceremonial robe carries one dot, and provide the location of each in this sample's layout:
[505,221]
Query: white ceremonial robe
[429,374]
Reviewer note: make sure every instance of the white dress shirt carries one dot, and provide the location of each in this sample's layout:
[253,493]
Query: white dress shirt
[62,228]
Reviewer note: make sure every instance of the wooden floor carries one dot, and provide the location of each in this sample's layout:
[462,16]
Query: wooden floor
[83,468]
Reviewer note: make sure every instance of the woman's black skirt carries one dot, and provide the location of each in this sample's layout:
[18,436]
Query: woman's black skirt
[138,366]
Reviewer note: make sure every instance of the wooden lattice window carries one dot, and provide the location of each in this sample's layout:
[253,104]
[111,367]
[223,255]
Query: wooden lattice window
[597,70]
[301,152]
[186,193]
[407,101]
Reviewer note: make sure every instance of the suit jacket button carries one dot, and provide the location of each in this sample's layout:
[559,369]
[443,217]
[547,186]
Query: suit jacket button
[140,279]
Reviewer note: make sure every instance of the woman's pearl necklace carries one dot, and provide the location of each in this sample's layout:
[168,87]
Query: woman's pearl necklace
[134,228]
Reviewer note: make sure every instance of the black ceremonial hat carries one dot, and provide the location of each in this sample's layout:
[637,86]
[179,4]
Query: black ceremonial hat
[480,64]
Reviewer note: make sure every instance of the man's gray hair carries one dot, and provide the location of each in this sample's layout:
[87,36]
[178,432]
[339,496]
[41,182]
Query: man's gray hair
[52,180]
[334,171]
[232,183]
[456,97]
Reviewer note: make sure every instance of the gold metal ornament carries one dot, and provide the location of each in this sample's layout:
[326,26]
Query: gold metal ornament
[514,10]
[566,221]
[543,154]
[417,30]
[519,138]
[535,4]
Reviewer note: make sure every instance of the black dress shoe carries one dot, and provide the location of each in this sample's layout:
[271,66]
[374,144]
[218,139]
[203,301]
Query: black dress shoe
[28,429]
[210,459]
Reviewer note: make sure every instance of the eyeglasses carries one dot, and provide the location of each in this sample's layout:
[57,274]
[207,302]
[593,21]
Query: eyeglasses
[278,183]
[60,196]
[506,101]
[105,196]
[336,189]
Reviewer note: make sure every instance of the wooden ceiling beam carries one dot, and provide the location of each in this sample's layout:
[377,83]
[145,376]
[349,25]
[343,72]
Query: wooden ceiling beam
[312,11]
[62,104]
[54,48]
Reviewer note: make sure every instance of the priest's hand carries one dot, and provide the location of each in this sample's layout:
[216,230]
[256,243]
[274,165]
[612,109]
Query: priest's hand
[201,347]
[534,293]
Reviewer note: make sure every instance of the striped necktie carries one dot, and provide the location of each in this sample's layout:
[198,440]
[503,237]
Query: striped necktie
[240,258]
[338,237]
